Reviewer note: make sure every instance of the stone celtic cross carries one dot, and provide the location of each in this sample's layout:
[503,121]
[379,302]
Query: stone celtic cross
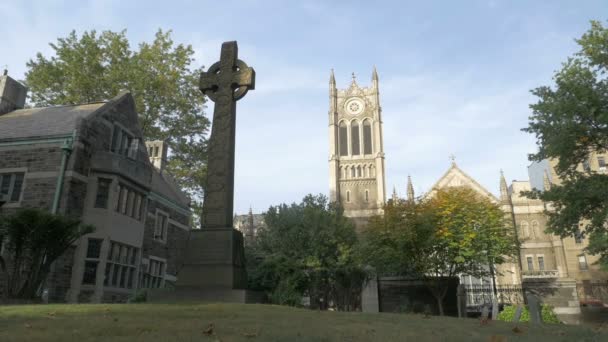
[226,82]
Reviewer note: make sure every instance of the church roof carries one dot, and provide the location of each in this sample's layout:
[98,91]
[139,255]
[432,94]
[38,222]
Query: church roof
[454,176]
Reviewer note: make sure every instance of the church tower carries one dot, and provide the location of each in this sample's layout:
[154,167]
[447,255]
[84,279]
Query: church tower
[356,152]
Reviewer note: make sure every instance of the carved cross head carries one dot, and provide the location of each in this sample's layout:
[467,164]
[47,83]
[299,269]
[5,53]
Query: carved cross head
[229,79]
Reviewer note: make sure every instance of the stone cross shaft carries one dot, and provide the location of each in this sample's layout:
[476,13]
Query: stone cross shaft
[225,82]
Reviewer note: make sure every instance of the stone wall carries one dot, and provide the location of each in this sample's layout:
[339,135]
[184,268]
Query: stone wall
[399,294]
[177,238]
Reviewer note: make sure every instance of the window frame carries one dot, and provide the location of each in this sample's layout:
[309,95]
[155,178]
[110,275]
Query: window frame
[121,266]
[163,230]
[12,175]
[583,265]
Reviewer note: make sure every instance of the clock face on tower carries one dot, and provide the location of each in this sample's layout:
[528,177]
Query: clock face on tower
[354,106]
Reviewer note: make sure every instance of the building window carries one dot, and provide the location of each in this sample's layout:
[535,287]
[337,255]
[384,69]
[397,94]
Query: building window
[530,261]
[123,142]
[366,195]
[160,229]
[359,171]
[92,261]
[155,274]
[525,229]
[535,231]
[354,138]
[367,137]
[120,266]
[11,185]
[586,165]
[601,162]
[578,237]
[582,262]
[348,196]
[130,202]
[343,139]
[103,192]
[541,263]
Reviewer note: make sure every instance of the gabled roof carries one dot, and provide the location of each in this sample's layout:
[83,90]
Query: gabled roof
[48,121]
[164,184]
[454,176]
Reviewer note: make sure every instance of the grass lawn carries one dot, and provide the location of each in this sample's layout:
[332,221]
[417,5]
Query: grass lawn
[238,322]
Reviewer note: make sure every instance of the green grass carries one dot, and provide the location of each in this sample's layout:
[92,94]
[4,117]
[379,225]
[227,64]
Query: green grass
[237,322]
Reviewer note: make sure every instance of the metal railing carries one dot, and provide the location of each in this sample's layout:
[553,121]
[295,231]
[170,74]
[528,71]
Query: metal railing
[481,295]
[593,292]
[540,274]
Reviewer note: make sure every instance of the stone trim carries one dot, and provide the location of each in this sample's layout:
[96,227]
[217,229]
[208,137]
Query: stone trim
[169,203]
[37,140]
[179,225]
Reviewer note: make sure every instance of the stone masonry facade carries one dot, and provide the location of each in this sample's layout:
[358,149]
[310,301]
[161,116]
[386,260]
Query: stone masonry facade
[111,181]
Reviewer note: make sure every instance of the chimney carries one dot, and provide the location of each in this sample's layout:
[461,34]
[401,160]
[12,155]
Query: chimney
[12,94]
[157,151]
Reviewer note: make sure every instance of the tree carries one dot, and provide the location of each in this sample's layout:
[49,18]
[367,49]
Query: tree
[33,240]
[307,249]
[160,77]
[455,231]
[570,122]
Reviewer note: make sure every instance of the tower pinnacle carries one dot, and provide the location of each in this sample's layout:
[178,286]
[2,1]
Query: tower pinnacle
[546,181]
[332,79]
[504,192]
[410,189]
[374,74]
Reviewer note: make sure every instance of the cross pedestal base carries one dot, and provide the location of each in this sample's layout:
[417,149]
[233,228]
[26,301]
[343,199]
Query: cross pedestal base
[213,270]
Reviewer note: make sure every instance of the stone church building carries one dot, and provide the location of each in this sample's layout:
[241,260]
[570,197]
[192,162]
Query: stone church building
[90,161]
[357,181]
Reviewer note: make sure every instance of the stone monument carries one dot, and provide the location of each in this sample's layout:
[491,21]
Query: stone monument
[213,267]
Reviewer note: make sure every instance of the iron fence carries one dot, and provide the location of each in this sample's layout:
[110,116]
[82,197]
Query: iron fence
[483,295]
[593,292]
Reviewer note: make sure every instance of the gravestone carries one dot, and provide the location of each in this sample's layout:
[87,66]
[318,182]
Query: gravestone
[517,315]
[494,309]
[485,313]
[214,263]
[462,301]
[534,308]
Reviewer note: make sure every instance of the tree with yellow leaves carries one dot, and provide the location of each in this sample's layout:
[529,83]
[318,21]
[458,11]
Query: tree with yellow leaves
[455,231]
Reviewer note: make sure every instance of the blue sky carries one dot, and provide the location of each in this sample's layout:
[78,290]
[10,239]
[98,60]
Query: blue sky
[454,76]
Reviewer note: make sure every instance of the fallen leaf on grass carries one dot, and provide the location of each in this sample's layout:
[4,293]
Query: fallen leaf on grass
[52,313]
[498,338]
[209,330]
[250,334]
[27,325]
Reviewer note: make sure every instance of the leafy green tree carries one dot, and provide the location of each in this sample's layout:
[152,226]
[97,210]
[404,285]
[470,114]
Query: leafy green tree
[159,74]
[33,240]
[455,231]
[570,122]
[307,249]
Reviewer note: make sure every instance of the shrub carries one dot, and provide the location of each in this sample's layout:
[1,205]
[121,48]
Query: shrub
[547,314]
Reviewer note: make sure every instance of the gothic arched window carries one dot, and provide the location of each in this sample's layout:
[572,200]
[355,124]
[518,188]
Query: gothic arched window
[535,231]
[525,229]
[347,196]
[367,137]
[343,139]
[359,171]
[353,172]
[366,195]
[354,138]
